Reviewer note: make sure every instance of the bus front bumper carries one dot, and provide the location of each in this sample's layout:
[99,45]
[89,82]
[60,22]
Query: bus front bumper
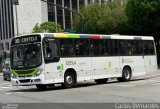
[27,81]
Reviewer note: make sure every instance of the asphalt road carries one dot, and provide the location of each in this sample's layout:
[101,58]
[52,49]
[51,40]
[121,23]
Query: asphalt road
[144,90]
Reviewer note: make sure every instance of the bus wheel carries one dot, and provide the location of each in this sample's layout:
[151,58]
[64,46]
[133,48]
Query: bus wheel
[69,80]
[101,81]
[41,86]
[126,75]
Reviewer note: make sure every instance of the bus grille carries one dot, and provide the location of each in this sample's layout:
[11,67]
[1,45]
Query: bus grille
[25,71]
[25,80]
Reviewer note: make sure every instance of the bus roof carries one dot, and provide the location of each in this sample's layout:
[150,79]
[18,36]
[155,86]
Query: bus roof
[91,36]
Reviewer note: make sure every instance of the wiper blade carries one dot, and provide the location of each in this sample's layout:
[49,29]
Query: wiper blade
[20,66]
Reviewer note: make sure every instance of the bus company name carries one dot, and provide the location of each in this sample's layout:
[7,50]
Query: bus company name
[26,39]
[70,62]
[127,60]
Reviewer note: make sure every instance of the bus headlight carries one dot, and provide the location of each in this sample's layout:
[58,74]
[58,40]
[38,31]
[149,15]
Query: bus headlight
[13,76]
[39,72]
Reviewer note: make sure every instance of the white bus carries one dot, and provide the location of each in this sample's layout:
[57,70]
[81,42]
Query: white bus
[48,58]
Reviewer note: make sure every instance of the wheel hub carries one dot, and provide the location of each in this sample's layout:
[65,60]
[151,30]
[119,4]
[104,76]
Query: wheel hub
[127,74]
[69,79]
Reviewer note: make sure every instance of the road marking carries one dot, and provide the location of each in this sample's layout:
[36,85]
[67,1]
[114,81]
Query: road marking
[137,82]
[126,85]
[141,82]
[6,87]
[157,81]
[6,83]
[18,92]
[8,93]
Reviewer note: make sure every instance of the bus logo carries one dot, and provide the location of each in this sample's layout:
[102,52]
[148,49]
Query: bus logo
[70,62]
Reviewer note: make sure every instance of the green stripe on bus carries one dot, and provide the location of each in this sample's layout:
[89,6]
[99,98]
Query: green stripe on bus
[29,72]
[155,47]
[62,67]
[110,65]
[150,62]
[73,36]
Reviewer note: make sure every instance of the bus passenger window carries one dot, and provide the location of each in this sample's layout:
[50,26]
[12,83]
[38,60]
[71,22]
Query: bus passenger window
[123,47]
[50,51]
[87,49]
[115,47]
[96,47]
[79,47]
[138,49]
[130,48]
[148,47]
[69,47]
[62,47]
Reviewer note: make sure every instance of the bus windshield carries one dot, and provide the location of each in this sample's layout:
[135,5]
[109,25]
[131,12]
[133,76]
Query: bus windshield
[26,56]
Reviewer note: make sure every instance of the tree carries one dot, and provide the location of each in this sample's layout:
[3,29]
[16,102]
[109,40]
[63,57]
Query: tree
[49,27]
[107,18]
[143,17]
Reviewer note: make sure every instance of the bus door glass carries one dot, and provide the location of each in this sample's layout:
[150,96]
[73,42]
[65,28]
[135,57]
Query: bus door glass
[51,59]
[138,57]
[50,50]
[149,55]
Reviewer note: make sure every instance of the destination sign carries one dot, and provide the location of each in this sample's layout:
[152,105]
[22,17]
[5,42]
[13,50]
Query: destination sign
[26,39]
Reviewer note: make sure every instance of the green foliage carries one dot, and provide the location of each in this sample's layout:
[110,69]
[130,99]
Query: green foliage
[107,18]
[136,17]
[143,17]
[49,27]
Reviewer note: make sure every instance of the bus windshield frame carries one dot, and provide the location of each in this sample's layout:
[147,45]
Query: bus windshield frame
[26,52]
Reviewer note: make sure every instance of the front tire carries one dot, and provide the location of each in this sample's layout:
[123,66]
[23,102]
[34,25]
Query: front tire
[126,75]
[69,80]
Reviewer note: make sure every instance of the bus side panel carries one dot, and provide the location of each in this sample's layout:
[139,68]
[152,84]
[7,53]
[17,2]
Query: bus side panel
[135,62]
[53,73]
[99,67]
[82,66]
[105,67]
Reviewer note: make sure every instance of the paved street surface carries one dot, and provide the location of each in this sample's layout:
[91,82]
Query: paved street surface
[146,90]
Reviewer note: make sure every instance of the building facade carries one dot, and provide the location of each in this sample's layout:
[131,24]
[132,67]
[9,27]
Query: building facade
[63,16]
[20,16]
[6,26]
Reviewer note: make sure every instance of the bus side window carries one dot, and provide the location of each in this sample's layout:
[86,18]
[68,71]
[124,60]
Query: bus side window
[123,47]
[151,45]
[148,47]
[96,47]
[108,47]
[138,47]
[115,48]
[87,50]
[62,47]
[131,47]
[69,47]
[79,47]
[51,52]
